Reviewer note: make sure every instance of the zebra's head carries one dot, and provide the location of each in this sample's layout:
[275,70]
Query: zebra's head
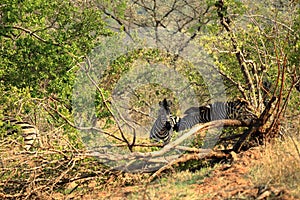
[166,104]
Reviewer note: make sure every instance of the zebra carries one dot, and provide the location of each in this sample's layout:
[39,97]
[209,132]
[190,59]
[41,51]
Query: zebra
[211,112]
[28,131]
[162,128]
[192,116]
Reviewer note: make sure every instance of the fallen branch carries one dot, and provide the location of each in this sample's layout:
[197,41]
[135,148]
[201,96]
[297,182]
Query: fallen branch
[159,157]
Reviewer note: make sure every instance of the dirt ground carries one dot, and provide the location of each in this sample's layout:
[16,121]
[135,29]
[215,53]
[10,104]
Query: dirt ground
[231,182]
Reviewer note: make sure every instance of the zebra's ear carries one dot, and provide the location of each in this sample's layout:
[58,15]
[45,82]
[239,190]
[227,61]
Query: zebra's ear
[165,103]
[169,103]
[160,103]
[177,120]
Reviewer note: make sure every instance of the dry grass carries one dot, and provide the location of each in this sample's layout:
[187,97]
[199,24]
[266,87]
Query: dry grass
[177,185]
[55,170]
[279,165]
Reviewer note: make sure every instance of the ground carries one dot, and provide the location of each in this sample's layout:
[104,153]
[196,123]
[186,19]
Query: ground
[231,180]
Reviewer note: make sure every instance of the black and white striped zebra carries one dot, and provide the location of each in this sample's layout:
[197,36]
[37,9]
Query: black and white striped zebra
[227,110]
[211,112]
[192,116]
[28,131]
[162,128]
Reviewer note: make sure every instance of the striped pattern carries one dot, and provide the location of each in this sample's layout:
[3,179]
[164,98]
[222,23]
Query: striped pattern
[162,128]
[28,131]
[211,112]
[227,110]
[193,116]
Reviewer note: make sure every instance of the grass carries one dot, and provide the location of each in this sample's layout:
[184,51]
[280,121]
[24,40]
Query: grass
[176,185]
[279,165]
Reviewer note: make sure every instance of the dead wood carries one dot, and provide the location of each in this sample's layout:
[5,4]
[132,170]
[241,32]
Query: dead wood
[159,158]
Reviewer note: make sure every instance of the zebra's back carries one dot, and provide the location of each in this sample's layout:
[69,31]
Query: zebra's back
[214,111]
[29,132]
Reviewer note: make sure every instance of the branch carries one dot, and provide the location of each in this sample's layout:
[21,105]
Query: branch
[238,85]
[256,126]
[32,33]
[238,52]
[271,20]
[47,107]
[123,26]
[160,155]
[107,106]
[185,158]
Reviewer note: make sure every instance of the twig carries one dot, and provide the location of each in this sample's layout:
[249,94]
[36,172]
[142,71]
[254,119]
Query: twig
[296,146]
[78,127]
[237,84]
[31,33]
[107,106]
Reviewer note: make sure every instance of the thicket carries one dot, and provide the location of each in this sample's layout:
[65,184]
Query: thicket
[47,46]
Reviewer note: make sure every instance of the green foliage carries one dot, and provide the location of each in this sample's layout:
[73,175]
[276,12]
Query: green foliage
[41,45]
[263,37]
[16,100]
[42,41]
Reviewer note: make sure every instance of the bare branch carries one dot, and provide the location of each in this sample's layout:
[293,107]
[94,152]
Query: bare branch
[238,52]
[159,155]
[47,107]
[270,19]
[108,107]
[32,33]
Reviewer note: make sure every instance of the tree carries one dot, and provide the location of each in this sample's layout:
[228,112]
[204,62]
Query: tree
[43,41]
[47,50]
[42,44]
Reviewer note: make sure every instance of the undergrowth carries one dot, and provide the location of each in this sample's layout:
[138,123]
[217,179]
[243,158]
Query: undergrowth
[279,165]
